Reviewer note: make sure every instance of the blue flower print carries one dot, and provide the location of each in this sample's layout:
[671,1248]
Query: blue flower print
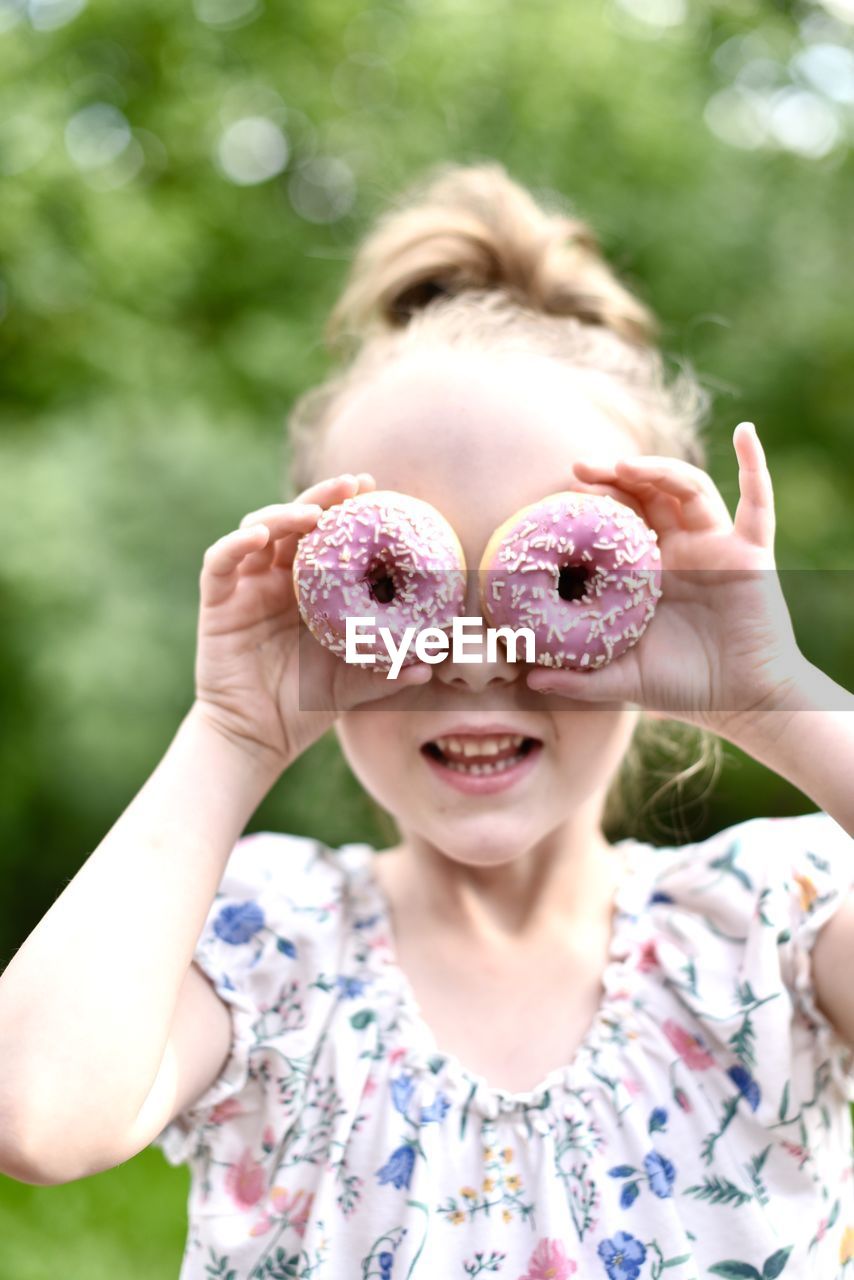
[401,1093]
[398,1167]
[658,896]
[437,1110]
[349,988]
[238,921]
[385,1260]
[629,1195]
[286,947]
[660,1172]
[368,922]
[657,1120]
[746,1085]
[622,1255]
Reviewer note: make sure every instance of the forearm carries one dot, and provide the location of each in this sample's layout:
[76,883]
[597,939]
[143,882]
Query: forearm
[808,739]
[87,1002]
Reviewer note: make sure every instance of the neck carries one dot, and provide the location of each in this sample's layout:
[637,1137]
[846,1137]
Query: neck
[562,885]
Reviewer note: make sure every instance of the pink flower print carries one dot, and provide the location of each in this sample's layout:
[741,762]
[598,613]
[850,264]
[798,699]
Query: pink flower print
[648,957]
[690,1049]
[244,1181]
[268,1139]
[286,1205]
[370,1087]
[264,1223]
[549,1262]
[632,1086]
[801,1154]
[226,1111]
[396,1055]
[682,1099]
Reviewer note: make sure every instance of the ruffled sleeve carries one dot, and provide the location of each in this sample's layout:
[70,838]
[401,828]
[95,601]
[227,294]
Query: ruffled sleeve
[818,872]
[736,919]
[268,946]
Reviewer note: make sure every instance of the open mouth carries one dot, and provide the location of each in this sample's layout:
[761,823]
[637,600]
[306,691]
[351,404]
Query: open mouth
[480,756]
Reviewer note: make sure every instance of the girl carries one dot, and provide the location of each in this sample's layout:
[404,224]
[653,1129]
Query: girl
[505,1046]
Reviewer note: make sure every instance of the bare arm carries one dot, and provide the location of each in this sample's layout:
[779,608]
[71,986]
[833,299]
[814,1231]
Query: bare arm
[106,1029]
[87,1003]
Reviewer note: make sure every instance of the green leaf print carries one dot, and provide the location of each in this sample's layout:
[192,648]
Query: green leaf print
[726,864]
[362,1019]
[745,993]
[735,1271]
[719,1191]
[784,1102]
[217,1268]
[775,1264]
[754,1168]
[773,1267]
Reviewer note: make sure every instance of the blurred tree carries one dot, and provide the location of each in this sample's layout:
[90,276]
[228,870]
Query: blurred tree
[182,190]
[182,187]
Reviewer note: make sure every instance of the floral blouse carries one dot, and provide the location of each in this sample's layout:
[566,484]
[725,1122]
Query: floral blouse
[701,1129]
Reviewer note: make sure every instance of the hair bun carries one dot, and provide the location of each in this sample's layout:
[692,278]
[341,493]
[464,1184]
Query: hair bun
[465,227]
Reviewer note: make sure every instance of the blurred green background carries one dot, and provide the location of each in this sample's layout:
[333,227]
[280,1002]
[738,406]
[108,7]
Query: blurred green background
[181,187]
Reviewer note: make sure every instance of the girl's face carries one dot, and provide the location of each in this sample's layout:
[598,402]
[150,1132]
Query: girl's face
[479,438]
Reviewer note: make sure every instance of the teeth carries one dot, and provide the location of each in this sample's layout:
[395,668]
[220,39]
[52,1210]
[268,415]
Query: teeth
[477,769]
[481,747]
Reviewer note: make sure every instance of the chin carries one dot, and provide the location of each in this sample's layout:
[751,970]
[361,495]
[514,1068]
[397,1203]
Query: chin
[488,842]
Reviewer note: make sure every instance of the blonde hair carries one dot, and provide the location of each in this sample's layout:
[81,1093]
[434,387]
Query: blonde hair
[467,258]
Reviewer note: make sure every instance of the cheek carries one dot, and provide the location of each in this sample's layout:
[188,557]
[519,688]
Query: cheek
[369,744]
[592,743]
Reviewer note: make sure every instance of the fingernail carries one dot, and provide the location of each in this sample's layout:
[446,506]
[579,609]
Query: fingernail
[545,687]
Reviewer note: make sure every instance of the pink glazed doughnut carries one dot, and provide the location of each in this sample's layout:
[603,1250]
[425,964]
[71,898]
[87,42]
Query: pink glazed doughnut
[581,570]
[381,555]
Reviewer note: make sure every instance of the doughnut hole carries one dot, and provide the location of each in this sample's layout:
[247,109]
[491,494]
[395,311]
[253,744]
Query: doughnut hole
[573,581]
[381,584]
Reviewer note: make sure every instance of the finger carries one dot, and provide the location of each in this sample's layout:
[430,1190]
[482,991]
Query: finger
[340,488]
[702,507]
[660,511]
[281,515]
[325,493]
[754,515]
[286,522]
[331,490]
[611,683]
[222,560]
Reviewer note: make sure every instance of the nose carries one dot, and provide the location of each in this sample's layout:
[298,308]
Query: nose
[476,673]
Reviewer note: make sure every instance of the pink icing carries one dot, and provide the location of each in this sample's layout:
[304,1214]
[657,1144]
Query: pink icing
[400,544]
[610,561]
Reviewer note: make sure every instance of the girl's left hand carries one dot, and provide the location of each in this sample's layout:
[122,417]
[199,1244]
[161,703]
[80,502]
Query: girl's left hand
[720,649]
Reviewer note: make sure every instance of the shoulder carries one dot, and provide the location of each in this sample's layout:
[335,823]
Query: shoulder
[804,854]
[752,901]
[288,872]
[280,909]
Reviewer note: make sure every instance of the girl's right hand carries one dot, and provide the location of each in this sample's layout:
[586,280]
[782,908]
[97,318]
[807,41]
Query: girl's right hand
[251,637]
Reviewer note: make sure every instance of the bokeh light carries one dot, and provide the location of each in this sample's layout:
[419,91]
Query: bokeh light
[829,68]
[323,189]
[227,14]
[48,15]
[252,150]
[656,13]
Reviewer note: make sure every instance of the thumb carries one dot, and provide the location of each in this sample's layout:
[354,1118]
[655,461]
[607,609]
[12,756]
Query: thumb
[611,683]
